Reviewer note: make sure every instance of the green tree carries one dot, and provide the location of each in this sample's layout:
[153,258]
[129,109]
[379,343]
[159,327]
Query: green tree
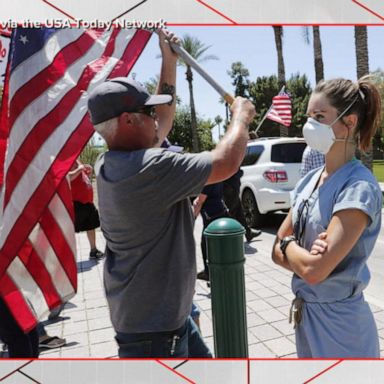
[362,68]
[182,136]
[90,153]
[197,50]
[240,79]
[378,140]
[265,88]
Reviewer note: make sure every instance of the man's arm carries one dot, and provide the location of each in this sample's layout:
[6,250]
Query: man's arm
[229,153]
[167,84]
[198,203]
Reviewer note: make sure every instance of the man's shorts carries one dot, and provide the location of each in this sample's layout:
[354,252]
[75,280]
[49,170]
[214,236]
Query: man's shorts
[86,216]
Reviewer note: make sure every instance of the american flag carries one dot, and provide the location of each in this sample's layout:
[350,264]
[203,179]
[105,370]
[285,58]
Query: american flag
[45,120]
[281,109]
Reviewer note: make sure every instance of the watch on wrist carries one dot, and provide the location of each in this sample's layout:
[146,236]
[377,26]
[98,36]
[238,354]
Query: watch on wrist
[284,243]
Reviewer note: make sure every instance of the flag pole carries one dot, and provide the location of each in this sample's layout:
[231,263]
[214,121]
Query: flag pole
[263,119]
[188,59]
[266,114]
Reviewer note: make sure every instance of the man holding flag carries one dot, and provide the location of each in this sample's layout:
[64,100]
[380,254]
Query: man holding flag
[44,126]
[145,211]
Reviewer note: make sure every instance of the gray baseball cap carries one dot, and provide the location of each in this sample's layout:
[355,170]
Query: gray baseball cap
[115,96]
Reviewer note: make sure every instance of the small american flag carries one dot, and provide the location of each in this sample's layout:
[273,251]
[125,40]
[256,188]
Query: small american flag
[45,123]
[281,109]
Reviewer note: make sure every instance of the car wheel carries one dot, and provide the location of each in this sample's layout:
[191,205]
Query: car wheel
[252,214]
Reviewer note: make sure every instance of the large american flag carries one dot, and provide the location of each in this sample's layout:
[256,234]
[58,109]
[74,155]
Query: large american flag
[44,119]
[281,109]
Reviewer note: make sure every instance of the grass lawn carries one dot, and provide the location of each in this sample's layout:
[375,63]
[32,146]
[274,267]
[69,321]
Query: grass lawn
[378,170]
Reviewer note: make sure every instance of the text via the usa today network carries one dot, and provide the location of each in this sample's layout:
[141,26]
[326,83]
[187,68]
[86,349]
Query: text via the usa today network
[88,24]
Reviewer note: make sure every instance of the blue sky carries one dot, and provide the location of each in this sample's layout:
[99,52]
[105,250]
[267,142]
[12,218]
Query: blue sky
[255,48]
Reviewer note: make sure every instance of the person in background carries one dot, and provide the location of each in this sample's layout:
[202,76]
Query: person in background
[20,344]
[48,342]
[312,159]
[333,225]
[231,194]
[86,214]
[211,206]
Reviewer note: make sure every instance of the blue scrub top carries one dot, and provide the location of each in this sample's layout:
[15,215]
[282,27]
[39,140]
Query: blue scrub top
[351,186]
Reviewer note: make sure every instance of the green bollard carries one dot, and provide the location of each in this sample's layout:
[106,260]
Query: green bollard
[225,247]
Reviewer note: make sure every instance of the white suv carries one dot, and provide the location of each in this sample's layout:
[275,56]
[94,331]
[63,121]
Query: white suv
[271,169]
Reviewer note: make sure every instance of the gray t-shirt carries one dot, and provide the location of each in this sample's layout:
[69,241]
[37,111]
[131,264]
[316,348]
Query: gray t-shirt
[147,220]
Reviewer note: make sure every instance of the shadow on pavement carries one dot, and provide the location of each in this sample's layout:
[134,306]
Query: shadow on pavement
[85,265]
[250,249]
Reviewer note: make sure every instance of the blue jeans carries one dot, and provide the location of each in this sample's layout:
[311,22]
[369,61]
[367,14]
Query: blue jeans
[183,342]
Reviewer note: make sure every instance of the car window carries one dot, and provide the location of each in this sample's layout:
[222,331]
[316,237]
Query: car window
[252,155]
[287,152]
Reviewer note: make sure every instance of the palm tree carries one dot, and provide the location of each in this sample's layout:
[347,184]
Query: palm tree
[362,68]
[197,50]
[278,32]
[361,47]
[317,51]
[218,121]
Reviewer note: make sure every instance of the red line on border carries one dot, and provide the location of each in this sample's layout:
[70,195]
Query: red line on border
[367,9]
[322,372]
[216,11]
[130,9]
[58,9]
[175,372]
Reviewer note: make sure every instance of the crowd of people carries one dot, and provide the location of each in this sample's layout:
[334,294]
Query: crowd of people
[149,197]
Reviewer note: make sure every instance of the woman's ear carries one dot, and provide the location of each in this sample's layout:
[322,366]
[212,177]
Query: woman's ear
[351,122]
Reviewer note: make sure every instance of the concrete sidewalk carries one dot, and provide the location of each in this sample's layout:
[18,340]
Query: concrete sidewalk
[85,322]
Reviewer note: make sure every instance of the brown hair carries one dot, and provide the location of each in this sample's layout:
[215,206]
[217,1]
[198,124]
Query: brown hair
[364,100]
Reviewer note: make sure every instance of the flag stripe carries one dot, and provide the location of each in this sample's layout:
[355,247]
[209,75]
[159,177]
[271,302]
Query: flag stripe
[68,105]
[50,126]
[23,184]
[58,208]
[44,103]
[33,266]
[27,285]
[24,224]
[48,123]
[16,303]
[51,262]
[36,64]
[281,109]
[40,83]
[58,243]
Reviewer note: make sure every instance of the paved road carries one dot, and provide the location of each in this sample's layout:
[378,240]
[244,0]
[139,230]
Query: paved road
[86,325]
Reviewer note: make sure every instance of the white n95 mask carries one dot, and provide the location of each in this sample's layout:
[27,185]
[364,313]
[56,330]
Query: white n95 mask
[318,136]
